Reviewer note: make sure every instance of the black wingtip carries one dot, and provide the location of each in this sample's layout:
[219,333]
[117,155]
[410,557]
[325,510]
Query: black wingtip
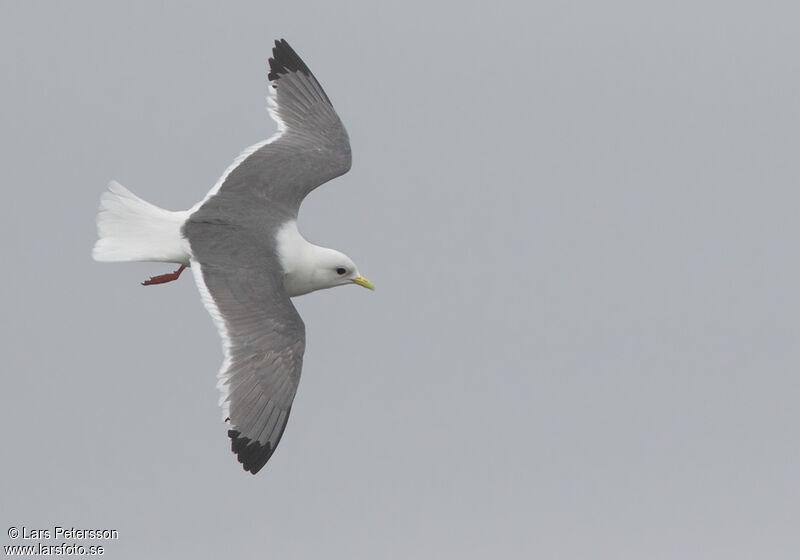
[251,454]
[285,60]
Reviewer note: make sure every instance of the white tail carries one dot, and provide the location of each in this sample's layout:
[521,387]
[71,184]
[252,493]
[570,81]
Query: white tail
[131,229]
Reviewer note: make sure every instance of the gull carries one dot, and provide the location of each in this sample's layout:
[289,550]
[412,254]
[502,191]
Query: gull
[246,253]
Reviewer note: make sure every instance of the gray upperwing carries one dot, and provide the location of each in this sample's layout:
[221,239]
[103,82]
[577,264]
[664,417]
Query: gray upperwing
[312,148]
[241,284]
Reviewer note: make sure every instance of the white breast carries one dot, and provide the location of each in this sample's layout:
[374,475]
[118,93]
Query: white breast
[297,259]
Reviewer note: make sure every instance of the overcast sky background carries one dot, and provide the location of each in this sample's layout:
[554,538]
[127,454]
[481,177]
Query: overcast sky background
[582,222]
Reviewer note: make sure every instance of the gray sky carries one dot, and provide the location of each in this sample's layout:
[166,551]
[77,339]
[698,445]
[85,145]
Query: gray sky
[581,219]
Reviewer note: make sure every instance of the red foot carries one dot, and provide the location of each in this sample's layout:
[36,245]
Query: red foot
[164,278]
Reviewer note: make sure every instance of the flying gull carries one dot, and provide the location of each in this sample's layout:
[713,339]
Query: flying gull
[246,254]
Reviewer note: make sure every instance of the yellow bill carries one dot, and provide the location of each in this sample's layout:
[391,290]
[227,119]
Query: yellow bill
[361,281]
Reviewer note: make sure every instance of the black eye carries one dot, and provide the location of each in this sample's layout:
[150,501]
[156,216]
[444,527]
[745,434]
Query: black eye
[341,271]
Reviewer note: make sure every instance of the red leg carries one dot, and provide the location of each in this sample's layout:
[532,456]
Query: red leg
[164,278]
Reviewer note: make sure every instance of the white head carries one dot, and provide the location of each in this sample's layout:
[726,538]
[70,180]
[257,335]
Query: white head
[309,267]
[332,268]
